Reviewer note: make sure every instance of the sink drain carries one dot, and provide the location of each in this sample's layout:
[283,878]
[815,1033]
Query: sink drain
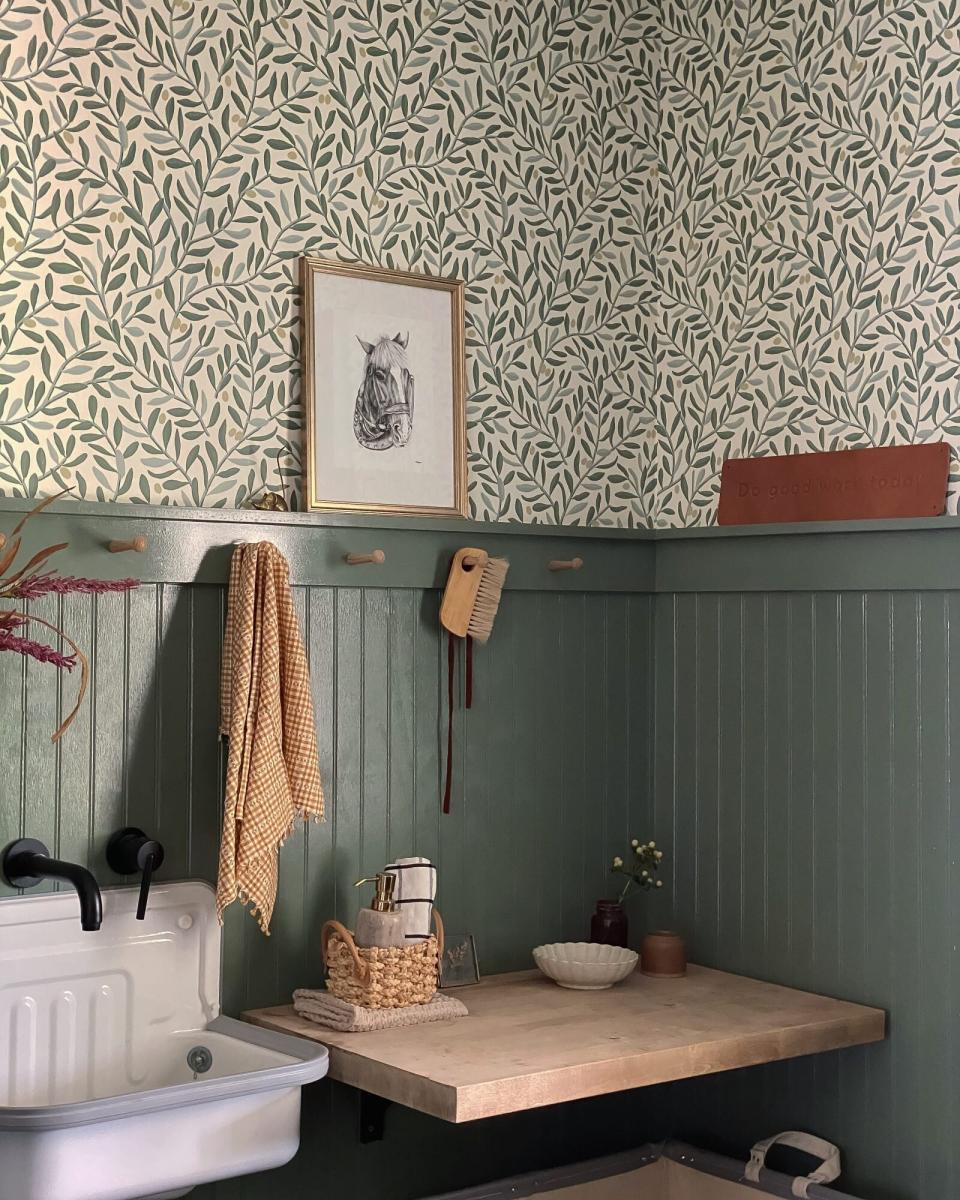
[199,1060]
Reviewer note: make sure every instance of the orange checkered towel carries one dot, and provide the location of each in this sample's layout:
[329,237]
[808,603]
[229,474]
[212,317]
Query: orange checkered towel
[266,710]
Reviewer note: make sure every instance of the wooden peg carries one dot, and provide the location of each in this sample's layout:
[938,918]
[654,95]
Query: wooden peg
[564,564]
[138,543]
[375,556]
[3,540]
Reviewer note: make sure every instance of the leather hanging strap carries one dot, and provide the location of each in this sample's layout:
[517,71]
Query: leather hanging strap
[467,703]
[451,664]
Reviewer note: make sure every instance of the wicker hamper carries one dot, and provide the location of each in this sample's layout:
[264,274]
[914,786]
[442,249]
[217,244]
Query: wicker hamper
[375,977]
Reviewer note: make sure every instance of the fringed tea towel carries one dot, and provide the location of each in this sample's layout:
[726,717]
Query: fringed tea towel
[266,710]
[324,1009]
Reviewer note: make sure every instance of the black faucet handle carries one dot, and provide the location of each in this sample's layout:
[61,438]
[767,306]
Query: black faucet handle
[130,850]
[145,885]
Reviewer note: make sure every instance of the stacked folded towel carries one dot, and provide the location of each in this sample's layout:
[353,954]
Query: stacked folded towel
[324,1009]
[414,894]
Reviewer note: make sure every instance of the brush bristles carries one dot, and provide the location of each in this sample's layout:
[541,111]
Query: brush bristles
[488,599]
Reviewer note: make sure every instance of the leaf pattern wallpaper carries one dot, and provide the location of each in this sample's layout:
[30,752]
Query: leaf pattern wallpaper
[809,243]
[163,164]
[689,229]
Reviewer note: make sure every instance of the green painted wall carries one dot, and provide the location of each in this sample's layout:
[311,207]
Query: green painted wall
[792,750]
[547,762]
[805,766]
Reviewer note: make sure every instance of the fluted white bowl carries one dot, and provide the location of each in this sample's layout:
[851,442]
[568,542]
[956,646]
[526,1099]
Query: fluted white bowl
[585,966]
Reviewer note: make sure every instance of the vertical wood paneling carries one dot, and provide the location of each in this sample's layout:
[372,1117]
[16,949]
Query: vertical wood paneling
[751,701]
[831,720]
[618,723]
[686,814]
[84,779]
[402,629]
[706,914]
[549,667]
[377,678]
[777,751]
[657,815]
[946,1011]
[205,749]
[531,807]
[936,1010]
[13,673]
[792,753]
[548,762]
[825,861]
[142,685]
[319,893]
[39,780]
[730,765]
[573,767]
[348,767]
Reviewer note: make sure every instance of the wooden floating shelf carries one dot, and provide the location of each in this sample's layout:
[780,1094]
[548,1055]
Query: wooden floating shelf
[529,1043]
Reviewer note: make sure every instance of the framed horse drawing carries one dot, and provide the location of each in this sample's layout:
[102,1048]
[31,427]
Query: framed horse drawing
[383,390]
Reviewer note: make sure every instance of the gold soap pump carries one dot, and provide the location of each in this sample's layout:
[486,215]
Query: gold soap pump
[382,923]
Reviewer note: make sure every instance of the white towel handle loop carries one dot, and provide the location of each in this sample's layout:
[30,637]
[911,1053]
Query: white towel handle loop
[827,1152]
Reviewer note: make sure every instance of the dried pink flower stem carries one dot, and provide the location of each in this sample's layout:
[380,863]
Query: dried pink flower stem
[38,650]
[31,582]
[52,583]
[78,656]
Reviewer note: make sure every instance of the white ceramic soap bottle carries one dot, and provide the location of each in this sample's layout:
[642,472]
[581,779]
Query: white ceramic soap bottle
[382,923]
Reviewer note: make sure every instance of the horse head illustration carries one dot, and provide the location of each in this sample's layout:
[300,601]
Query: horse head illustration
[383,414]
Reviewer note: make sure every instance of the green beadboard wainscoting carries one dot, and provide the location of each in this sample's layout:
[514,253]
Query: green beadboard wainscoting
[806,760]
[777,707]
[547,762]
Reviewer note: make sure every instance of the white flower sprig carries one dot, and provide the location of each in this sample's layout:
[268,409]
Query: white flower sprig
[645,861]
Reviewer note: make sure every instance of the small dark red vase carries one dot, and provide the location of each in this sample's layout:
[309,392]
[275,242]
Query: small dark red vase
[608,925]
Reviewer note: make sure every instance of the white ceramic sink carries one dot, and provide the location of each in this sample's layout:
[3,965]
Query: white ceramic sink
[98,1097]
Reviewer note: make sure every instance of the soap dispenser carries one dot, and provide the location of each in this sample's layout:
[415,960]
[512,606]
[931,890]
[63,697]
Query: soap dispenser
[382,923]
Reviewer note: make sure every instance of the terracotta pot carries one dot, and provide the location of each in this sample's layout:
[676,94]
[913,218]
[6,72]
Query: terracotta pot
[608,925]
[663,954]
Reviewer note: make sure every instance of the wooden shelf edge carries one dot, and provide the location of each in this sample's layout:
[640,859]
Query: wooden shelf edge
[418,1066]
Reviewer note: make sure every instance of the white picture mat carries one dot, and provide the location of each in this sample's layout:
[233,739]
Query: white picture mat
[422,473]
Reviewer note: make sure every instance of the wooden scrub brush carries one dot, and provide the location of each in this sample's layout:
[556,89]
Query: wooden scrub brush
[472,595]
[470,603]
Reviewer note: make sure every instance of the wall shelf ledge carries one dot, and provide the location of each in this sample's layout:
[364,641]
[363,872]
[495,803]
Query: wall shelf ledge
[528,1043]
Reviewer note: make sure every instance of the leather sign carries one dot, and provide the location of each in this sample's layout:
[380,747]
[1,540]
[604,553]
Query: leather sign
[839,485]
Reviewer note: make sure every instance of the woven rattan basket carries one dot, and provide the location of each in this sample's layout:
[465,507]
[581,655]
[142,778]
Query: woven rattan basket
[375,977]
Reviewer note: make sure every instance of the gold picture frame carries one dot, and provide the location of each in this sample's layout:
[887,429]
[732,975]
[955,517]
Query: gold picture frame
[314,273]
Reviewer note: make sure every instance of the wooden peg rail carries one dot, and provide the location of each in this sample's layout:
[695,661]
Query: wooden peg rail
[375,556]
[138,543]
[564,564]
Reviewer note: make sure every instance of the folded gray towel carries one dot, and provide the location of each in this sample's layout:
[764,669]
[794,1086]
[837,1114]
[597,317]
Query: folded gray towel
[324,1009]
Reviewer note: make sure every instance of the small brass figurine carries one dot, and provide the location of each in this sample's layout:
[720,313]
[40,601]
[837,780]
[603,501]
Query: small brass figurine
[271,502]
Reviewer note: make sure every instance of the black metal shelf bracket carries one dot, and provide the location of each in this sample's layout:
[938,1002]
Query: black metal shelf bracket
[373,1111]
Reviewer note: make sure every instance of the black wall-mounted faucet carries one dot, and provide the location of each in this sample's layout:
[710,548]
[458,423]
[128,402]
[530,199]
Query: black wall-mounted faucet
[27,862]
[130,850]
